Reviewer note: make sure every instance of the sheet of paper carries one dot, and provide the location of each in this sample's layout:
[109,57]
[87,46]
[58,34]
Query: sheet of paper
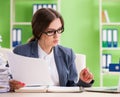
[31,71]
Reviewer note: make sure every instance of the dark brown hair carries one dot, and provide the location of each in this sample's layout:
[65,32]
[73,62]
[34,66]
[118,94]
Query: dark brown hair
[41,20]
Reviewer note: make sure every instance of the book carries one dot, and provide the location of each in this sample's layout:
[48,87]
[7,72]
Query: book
[50,89]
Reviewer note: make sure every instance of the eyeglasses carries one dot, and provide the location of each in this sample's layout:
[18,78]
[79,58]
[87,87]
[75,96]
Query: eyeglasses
[53,32]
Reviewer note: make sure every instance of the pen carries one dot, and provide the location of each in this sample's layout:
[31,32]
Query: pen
[33,85]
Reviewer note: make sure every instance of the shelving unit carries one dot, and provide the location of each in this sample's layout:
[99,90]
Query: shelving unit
[26,11]
[108,22]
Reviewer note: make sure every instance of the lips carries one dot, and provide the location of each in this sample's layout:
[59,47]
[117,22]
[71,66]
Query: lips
[56,41]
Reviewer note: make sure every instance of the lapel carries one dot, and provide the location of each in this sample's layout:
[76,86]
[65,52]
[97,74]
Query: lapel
[59,64]
[34,49]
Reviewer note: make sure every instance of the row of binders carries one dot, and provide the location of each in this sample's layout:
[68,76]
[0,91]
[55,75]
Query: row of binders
[16,36]
[39,6]
[108,65]
[106,60]
[110,38]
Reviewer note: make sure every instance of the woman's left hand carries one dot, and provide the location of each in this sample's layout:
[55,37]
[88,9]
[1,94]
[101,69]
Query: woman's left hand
[86,76]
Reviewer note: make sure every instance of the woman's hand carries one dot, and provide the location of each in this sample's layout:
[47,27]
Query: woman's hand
[15,85]
[86,76]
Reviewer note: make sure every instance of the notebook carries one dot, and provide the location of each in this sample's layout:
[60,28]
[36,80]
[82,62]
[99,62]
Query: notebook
[114,89]
[31,71]
[50,89]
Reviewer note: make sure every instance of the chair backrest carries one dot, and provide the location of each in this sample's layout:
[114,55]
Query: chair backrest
[3,58]
[4,51]
[80,62]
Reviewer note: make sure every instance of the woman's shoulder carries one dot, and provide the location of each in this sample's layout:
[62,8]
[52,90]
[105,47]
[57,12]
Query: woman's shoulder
[24,48]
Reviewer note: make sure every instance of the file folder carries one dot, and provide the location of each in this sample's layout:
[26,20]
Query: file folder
[14,38]
[104,61]
[104,38]
[18,37]
[39,6]
[109,60]
[54,6]
[115,38]
[35,8]
[109,37]
[44,6]
[49,5]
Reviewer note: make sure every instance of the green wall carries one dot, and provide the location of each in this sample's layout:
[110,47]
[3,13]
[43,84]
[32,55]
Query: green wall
[82,31]
[5,22]
[81,28]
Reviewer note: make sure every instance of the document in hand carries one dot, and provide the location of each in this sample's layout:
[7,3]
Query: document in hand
[50,89]
[31,71]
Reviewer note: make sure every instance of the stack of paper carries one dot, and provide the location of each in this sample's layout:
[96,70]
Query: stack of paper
[4,79]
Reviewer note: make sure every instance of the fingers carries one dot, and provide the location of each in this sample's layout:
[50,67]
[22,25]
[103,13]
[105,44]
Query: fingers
[86,76]
[15,84]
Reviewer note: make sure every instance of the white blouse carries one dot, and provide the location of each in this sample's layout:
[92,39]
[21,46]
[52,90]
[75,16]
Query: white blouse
[51,63]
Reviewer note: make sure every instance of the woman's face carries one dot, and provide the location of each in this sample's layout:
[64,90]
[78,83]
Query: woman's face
[52,40]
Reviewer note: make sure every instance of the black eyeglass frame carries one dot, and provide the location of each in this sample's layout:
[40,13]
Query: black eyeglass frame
[53,32]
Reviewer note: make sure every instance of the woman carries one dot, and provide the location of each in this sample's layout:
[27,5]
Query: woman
[47,27]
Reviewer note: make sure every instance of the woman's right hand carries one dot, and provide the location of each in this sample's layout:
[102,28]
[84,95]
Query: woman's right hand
[14,84]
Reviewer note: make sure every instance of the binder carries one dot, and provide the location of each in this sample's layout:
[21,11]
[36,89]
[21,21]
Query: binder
[44,5]
[39,6]
[18,37]
[104,38]
[109,60]
[115,38]
[109,38]
[104,61]
[54,6]
[49,5]
[14,38]
[35,8]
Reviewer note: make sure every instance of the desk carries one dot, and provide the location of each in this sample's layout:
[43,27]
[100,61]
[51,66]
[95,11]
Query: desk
[83,94]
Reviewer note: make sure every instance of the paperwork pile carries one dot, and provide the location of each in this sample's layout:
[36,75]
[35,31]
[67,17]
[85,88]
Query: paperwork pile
[4,75]
[4,79]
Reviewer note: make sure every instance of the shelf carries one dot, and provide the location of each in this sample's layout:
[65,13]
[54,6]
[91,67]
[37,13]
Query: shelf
[114,23]
[105,72]
[117,48]
[22,23]
[109,33]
